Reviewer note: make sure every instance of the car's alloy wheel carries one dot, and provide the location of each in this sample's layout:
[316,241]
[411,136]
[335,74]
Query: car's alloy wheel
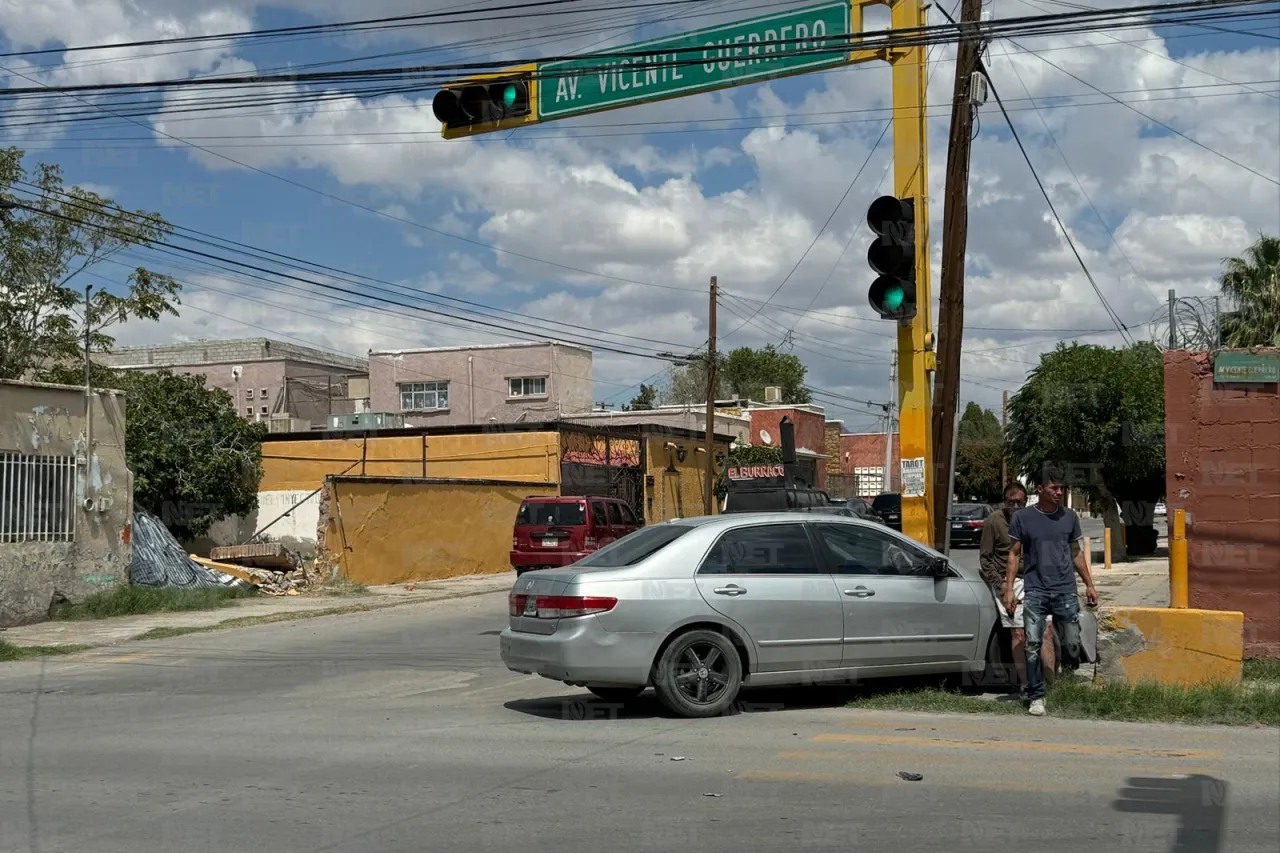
[698,675]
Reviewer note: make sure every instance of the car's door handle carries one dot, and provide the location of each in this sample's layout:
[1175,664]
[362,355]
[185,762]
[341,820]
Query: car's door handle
[860,592]
[731,589]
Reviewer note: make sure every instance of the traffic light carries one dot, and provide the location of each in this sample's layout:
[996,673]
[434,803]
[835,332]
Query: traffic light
[483,102]
[893,257]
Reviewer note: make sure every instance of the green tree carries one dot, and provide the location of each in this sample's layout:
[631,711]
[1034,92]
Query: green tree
[687,385]
[1251,284]
[194,460]
[48,237]
[748,371]
[643,401]
[978,455]
[1098,413]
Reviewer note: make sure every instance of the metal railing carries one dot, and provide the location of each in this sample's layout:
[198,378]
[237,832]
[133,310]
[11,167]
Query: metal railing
[37,498]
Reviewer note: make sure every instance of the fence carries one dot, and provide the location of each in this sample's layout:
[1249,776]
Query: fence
[37,498]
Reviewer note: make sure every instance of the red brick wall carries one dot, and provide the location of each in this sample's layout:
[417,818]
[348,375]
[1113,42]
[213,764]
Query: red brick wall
[866,451]
[811,433]
[1222,449]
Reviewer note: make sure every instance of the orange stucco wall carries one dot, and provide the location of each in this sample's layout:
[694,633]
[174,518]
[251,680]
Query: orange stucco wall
[387,532]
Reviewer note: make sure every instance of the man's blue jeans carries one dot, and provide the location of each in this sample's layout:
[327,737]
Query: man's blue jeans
[1037,606]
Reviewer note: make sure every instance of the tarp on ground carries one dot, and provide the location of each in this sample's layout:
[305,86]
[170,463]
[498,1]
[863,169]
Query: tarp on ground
[160,560]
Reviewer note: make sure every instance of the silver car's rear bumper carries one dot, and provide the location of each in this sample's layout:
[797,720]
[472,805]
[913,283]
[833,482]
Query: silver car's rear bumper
[581,650]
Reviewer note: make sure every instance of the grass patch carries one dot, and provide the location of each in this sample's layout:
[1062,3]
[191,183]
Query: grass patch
[10,652]
[134,600]
[1262,669]
[1253,704]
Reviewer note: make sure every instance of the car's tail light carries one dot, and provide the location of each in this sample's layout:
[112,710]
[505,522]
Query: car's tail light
[559,606]
[589,543]
[515,542]
[975,524]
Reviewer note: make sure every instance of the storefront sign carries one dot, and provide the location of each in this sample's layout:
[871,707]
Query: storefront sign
[1244,367]
[756,472]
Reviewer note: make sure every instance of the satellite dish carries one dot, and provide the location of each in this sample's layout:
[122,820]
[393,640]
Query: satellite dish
[765,437]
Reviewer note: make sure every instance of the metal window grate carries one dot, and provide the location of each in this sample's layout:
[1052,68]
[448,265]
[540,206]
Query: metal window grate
[37,498]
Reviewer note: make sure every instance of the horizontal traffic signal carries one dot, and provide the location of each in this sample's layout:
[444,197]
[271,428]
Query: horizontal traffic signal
[893,256]
[482,102]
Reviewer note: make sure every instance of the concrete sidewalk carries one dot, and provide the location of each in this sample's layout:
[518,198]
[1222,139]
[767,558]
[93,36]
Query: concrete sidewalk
[119,629]
[1140,583]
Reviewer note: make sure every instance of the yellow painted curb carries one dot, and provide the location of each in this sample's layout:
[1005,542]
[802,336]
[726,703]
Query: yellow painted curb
[1182,647]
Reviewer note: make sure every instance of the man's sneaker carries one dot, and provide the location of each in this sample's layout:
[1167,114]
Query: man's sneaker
[1037,708]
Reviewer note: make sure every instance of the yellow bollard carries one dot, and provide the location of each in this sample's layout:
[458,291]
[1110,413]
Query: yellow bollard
[1088,554]
[1178,593]
[1106,548]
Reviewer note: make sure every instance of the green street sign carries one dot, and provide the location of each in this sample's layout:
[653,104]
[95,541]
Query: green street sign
[703,60]
[1246,367]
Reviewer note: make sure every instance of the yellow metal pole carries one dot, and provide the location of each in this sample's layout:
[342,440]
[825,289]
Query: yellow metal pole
[1106,548]
[1178,592]
[915,341]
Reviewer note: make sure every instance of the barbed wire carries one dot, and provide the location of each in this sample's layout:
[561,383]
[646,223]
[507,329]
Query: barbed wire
[1196,323]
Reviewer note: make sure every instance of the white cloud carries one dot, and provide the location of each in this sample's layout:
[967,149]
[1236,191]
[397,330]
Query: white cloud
[675,209]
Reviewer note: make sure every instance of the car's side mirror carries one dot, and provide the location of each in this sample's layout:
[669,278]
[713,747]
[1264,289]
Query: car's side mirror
[940,568]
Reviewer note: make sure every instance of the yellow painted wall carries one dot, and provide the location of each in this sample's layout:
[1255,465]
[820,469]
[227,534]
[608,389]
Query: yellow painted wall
[525,457]
[401,532]
[678,493]
[1182,646]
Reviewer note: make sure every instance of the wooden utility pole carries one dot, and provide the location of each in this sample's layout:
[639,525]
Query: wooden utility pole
[887,485]
[955,228]
[1004,427]
[88,394]
[708,484]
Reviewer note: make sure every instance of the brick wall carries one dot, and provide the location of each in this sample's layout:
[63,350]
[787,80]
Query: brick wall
[866,450]
[1222,449]
[833,447]
[811,434]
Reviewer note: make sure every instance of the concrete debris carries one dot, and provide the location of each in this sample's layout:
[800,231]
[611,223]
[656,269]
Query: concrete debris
[262,555]
[279,583]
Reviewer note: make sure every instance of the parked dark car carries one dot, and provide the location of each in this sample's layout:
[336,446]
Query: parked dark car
[861,508]
[967,521]
[889,507]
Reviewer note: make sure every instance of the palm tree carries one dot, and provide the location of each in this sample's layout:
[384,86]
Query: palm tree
[1252,284]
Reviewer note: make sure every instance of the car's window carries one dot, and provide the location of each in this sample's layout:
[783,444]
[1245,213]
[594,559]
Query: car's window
[553,514]
[887,503]
[858,550]
[615,514]
[754,501]
[973,512]
[634,547]
[628,516]
[767,549]
[597,513]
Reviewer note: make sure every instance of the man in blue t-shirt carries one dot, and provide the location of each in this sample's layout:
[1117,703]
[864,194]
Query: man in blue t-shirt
[1046,536]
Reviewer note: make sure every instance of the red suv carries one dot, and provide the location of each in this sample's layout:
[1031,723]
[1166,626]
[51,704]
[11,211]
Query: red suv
[559,531]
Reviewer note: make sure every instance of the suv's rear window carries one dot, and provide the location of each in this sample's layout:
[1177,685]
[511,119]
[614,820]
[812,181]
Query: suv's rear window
[634,547]
[762,501]
[552,514]
[887,503]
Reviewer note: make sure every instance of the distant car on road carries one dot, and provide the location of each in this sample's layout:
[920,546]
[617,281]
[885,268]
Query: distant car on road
[558,531]
[889,506]
[701,607]
[967,522]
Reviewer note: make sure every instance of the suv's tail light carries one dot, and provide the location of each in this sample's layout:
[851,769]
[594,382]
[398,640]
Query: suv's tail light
[559,606]
[589,543]
[515,542]
[976,524]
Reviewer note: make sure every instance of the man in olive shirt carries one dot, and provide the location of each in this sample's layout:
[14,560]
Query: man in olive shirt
[993,561]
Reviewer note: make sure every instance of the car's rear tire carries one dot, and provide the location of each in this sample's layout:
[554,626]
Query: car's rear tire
[699,674]
[616,694]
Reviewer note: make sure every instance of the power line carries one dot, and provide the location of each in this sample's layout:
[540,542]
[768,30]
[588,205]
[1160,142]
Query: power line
[1115,318]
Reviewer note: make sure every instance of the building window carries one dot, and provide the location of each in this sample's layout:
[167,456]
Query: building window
[529,386]
[263,393]
[37,498]
[262,411]
[869,481]
[423,396]
[248,393]
[248,411]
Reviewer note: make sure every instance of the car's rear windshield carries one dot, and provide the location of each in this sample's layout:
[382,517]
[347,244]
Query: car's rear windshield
[551,514]
[971,511]
[634,547]
[887,502]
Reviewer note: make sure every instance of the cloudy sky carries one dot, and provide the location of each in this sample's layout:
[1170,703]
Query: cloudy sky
[614,223]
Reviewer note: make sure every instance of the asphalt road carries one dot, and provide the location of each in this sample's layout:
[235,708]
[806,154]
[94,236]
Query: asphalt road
[401,731]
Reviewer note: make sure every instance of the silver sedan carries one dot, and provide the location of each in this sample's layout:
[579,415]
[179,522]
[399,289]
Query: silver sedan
[701,607]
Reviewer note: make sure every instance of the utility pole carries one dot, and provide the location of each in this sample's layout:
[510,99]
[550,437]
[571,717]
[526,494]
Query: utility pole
[888,424]
[951,487]
[1173,322]
[88,396]
[708,484]
[955,228]
[1004,426]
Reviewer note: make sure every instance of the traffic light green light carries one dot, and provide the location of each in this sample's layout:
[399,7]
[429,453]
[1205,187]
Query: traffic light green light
[509,93]
[482,102]
[893,257]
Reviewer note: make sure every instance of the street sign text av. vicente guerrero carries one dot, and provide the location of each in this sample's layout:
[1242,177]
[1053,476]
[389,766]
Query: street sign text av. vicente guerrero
[712,58]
